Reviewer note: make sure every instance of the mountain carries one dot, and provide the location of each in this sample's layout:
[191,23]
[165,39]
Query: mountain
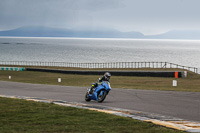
[41,31]
[177,34]
[35,31]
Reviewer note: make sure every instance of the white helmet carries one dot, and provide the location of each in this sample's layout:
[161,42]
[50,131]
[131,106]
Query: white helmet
[107,76]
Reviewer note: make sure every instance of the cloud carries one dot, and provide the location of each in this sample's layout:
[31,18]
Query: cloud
[125,15]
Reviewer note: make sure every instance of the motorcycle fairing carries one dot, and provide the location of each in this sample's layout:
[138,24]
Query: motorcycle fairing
[96,91]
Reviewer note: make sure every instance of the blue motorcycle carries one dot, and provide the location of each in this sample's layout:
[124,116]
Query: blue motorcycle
[99,93]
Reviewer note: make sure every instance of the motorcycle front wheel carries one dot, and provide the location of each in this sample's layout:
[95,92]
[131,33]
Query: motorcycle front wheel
[101,97]
[87,98]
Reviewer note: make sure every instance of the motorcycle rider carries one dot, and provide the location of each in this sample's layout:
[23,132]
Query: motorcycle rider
[105,77]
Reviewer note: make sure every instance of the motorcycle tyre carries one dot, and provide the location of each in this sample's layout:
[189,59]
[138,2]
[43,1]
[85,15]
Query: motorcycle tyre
[87,98]
[102,97]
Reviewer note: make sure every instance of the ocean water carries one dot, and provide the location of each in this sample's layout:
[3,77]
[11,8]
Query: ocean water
[85,50]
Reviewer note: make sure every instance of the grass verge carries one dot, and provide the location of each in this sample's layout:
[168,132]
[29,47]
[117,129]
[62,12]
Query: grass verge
[18,116]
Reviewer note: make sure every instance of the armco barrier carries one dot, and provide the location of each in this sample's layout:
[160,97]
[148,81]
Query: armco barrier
[117,73]
[12,68]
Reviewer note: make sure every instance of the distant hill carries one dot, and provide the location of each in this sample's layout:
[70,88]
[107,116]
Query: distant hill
[41,31]
[177,34]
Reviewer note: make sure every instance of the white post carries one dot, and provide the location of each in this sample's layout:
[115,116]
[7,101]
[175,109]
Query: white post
[9,77]
[59,80]
[174,83]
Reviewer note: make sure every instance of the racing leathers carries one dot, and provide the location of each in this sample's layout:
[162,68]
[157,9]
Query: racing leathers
[105,77]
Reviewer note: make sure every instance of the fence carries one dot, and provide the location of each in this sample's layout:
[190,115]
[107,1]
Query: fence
[102,65]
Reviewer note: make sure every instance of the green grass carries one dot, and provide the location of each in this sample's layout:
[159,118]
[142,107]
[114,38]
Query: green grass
[191,83]
[19,116]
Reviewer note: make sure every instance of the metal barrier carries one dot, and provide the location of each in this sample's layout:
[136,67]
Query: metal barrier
[102,65]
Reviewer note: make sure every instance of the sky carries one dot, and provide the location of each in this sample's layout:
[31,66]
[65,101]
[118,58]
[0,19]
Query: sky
[146,16]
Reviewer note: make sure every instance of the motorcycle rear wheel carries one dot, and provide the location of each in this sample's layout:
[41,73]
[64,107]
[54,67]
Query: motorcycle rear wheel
[102,97]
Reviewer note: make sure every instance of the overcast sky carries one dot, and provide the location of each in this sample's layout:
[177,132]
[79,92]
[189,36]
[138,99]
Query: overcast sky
[146,16]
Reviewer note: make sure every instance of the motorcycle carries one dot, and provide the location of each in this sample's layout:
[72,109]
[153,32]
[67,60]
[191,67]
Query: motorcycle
[99,93]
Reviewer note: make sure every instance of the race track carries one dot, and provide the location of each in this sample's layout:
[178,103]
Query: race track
[184,105]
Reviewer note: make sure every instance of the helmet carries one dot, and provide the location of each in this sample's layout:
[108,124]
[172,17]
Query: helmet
[107,76]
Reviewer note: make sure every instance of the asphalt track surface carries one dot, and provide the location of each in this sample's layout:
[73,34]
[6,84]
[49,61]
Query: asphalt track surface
[184,105]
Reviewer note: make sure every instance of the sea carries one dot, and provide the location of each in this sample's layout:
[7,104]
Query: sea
[99,50]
